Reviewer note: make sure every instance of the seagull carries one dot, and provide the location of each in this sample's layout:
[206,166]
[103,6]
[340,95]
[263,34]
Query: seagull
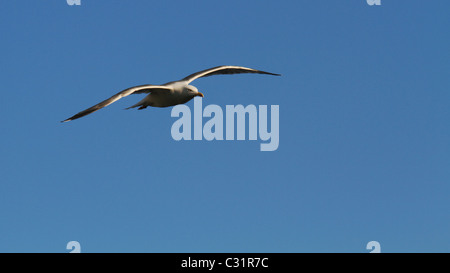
[171,93]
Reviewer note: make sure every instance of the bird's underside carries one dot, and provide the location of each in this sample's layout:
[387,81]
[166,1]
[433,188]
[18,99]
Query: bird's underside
[168,94]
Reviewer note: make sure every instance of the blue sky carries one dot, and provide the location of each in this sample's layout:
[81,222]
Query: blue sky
[364,148]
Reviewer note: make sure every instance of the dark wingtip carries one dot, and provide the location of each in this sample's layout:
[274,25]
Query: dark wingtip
[269,73]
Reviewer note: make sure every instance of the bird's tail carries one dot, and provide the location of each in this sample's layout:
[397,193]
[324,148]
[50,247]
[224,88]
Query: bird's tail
[141,103]
[134,106]
[142,106]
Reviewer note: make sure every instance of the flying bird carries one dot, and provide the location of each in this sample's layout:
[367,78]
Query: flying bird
[171,93]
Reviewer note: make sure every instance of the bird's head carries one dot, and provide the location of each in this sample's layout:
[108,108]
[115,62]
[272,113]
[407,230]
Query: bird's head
[194,91]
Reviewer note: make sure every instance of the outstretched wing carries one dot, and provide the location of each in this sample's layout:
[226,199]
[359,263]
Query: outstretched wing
[224,69]
[133,90]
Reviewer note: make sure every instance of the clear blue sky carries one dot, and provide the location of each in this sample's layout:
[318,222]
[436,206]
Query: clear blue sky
[364,148]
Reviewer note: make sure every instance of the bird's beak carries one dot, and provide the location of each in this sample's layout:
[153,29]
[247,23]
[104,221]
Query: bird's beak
[200,94]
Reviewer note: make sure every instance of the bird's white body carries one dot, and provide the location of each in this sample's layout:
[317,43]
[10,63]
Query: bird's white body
[169,94]
[178,92]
